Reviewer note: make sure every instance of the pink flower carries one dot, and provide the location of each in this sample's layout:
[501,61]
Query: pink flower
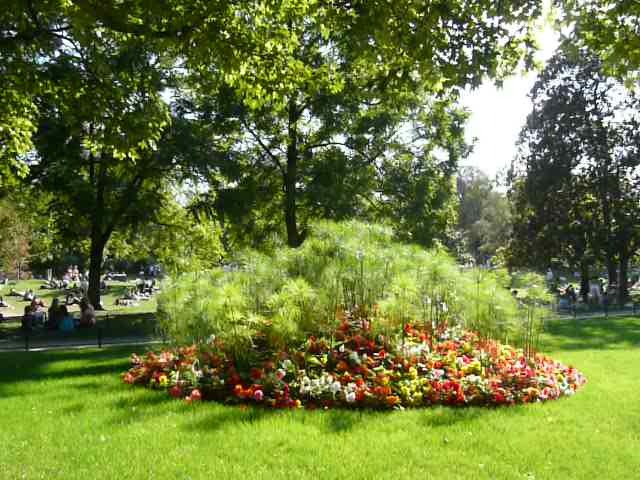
[258,395]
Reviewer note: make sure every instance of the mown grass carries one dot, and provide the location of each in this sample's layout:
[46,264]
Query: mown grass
[65,414]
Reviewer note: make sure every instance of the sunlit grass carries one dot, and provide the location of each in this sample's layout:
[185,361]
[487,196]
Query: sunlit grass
[66,415]
[108,298]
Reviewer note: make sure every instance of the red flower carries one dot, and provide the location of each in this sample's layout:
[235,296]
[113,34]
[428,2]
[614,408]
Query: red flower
[238,390]
[175,391]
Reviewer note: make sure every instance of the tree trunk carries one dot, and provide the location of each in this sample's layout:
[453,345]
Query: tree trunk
[623,290]
[584,281]
[98,236]
[612,271]
[290,175]
[95,269]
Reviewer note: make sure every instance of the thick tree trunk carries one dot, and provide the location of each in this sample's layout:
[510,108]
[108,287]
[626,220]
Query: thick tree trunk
[623,290]
[584,281]
[95,269]
[290,175]
[98,236]
[612,271]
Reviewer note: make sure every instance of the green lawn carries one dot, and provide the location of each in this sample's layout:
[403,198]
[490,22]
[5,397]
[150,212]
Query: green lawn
[66,415]
[114,291]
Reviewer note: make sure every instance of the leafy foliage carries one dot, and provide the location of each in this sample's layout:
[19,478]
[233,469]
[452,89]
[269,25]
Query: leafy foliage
[575,185]
[342,269]
[608,28]
[484,218]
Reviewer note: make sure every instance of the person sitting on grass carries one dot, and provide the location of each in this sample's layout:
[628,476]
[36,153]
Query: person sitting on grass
[40,302]
[28,295]
[28,319]
[37,308]
[71,299]
[56,313]
[87,314]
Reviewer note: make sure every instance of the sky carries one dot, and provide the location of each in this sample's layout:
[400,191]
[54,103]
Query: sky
[498,114]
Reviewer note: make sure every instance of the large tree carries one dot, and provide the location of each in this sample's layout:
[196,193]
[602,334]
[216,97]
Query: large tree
[336,83]
[576,181]
[98,139]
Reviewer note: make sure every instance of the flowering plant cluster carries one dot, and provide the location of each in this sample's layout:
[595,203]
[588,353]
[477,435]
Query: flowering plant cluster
[357,369]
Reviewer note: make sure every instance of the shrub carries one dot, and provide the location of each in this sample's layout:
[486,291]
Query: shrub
[351,266]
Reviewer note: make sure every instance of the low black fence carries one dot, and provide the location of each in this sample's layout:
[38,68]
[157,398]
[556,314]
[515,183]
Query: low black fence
[110,329]
[576,310]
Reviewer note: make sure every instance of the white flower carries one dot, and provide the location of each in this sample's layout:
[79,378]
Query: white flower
[350,397]
[335,387]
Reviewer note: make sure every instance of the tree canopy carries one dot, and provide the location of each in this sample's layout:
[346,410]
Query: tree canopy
[289,109]
[608,28]
[576,183]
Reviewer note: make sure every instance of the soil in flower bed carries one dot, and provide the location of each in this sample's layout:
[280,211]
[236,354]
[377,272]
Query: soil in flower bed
[357,369]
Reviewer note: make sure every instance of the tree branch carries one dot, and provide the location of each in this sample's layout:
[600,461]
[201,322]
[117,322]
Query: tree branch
[264,147]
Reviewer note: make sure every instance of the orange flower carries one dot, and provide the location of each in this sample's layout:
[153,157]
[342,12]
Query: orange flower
[393,400]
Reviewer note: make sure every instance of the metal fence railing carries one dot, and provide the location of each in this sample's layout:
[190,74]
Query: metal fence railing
[116,329]
[580,310]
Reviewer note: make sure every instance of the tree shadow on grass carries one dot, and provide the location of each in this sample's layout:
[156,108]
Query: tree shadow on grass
[592,334]
[19,367]
[138,405]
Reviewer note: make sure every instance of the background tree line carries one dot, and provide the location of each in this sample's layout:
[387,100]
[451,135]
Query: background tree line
[222,124]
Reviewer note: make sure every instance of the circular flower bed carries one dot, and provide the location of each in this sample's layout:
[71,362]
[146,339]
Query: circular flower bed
[356,369]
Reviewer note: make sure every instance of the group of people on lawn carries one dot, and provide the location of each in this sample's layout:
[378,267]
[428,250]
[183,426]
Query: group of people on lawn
[57,317]
[599,293]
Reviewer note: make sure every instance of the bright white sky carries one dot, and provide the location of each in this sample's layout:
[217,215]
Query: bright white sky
[497,115]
